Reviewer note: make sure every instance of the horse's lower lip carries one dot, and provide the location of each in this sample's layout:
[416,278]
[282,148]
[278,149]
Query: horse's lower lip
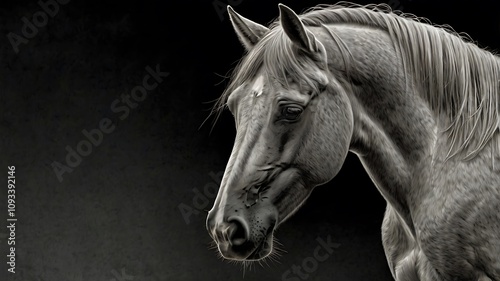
[255,255]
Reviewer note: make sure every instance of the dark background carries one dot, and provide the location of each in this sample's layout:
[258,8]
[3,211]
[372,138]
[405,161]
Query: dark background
[118,211]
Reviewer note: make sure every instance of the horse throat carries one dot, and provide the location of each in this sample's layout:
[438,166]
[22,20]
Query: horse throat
[394,129]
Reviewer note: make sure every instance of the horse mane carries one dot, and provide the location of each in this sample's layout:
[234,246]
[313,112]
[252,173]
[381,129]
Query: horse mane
[458,79]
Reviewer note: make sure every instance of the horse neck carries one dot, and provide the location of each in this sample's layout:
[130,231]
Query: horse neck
[394,130]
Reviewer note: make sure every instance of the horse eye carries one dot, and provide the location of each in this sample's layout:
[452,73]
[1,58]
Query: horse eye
[291,112]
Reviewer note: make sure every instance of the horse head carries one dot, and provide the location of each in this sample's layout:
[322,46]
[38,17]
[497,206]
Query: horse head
[294,125]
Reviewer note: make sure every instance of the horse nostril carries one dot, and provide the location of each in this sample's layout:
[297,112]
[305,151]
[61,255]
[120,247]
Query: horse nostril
[238,232]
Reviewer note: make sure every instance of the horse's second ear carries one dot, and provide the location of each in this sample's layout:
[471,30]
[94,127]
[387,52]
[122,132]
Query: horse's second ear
[248,31]
[296,31]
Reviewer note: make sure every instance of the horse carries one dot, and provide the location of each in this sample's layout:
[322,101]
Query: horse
[418,104]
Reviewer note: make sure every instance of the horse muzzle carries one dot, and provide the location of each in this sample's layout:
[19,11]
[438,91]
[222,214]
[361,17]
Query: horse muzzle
[243,222]
[239,238]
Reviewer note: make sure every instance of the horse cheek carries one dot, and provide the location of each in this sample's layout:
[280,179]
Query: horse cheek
[329,140]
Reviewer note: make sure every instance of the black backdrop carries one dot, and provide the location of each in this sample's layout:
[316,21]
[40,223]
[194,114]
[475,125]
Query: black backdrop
[122,211]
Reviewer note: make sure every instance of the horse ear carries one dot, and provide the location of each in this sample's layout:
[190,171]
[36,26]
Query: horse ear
[248,31]
[295,29]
